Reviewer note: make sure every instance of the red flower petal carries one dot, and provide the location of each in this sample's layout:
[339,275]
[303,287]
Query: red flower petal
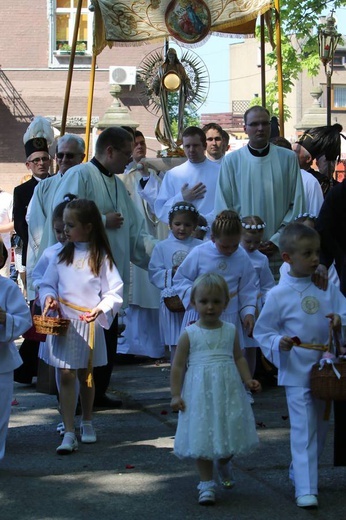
[163,412]
[14,402]
[129,466]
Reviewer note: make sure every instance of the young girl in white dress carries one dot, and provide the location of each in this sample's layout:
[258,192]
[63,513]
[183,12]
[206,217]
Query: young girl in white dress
[165,259]
[83,283]
[215,418]
[222,255]
[251,238]
[45,349]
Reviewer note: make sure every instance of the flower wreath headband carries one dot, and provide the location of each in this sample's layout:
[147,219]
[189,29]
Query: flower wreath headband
[257,227]
[306,215]
[181,207]
[203,228]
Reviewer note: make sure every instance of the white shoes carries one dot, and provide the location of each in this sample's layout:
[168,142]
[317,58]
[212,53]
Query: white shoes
[207,497]
[60,429]
[68,445]
[87,433]
[307,501]
[206,493]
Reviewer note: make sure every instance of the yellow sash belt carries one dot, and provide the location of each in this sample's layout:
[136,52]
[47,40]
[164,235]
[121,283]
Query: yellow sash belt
[313,346]
[91,340]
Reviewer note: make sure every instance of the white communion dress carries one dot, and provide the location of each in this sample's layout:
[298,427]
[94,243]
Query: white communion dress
[218,421]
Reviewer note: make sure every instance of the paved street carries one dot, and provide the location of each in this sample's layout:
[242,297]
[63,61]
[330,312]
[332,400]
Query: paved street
[131,471]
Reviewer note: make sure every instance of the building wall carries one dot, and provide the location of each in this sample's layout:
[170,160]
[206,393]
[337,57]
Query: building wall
[245,70]
[245,83]
[24,50]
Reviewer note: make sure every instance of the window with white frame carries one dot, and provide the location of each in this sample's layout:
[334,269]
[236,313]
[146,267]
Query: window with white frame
[339,97]
[64,21]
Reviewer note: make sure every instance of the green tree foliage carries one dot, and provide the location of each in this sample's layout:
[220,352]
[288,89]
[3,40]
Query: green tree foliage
[191,118]
[299,44]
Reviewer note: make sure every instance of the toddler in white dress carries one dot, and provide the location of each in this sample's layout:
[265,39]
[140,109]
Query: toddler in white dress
[215,418]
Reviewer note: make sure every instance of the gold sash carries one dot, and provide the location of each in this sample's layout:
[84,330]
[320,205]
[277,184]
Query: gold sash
[91,340]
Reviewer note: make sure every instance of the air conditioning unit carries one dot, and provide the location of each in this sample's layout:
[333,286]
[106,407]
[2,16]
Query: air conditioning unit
[122,75]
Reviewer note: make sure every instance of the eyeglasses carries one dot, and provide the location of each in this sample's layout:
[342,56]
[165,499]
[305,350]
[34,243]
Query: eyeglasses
[216,139]
[127,153]
[37,160]
[256,124]
[67,155]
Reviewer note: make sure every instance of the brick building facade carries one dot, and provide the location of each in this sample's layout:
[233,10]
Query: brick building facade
[33,80]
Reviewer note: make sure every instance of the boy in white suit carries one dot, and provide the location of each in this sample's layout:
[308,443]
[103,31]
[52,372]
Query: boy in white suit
[15,319]
[292,331]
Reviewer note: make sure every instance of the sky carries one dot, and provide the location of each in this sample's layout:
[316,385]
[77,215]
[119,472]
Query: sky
[214,54]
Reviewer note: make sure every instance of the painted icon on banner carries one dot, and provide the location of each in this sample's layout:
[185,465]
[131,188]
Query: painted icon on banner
[188,20]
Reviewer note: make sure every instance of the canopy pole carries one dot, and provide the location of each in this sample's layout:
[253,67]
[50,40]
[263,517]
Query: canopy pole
[70,68]
[279,68]
[263,65]
[90,107]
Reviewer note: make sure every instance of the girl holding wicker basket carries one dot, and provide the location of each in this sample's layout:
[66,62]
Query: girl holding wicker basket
[82,284]
[165,259]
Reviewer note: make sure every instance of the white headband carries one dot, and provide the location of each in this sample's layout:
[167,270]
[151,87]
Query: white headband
[182,208]
[253,226]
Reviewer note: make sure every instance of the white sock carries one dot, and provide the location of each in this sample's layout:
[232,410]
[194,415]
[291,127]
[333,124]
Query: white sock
[206,484]
[69,435]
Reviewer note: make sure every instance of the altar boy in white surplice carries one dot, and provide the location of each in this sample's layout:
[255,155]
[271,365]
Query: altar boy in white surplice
[292,331]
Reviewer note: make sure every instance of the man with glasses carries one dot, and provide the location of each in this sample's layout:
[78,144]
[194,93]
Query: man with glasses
[38,163]
[261,179]
[124,225]
[70,151]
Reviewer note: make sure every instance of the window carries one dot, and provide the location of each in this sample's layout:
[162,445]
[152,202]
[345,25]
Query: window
[339,97]
[338,61]
[62,30]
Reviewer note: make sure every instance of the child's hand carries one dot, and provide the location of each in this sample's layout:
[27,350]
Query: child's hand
[320,277]
[286,343]
[2,316]
[177,403]
[51,304]
[254,385]
[91,315]
[249,323]
[335,322]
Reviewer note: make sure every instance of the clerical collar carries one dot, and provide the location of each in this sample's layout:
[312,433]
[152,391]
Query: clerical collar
[259,152]
[100,167]
[39,179]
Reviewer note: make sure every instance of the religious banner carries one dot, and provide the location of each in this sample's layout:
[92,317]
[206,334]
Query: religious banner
[189,21]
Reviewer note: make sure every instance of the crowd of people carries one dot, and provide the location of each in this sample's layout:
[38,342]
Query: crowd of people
[209,261]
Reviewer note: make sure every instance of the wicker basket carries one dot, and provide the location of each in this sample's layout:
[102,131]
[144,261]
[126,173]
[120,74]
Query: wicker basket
[174,303]
[324,383]
[48,325]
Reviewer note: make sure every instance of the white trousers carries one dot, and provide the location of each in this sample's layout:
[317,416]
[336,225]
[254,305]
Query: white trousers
[308,435]
[6,395]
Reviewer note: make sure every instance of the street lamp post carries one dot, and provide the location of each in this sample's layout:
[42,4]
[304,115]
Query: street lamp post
[328,39]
